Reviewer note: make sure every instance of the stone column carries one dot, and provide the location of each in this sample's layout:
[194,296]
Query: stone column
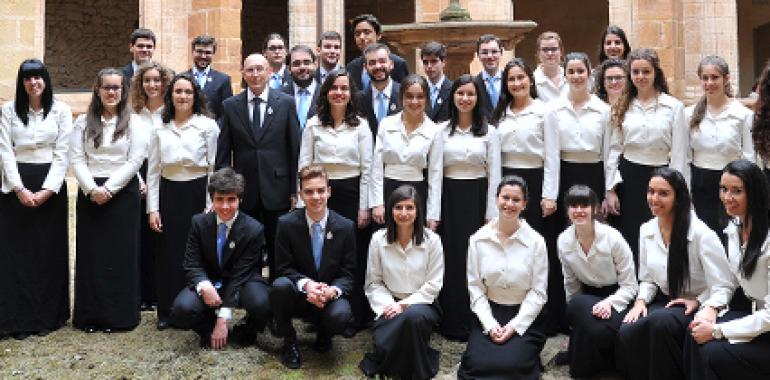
[333,18]
[303,22]
[222,20]
[22,25]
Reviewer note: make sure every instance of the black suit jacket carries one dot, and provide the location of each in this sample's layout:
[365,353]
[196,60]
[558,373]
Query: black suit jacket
[484,97]
[356,67]
[364,102]
[440,112]
[241,255]
[128,73]
[289,90]
[294,253]
[267,157]
[218,88]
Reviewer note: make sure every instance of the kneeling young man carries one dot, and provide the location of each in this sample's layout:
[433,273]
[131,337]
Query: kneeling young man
[315,257]
[222,264]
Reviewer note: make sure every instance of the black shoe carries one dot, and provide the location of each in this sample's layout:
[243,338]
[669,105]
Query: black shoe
[89,329]
[20,335]
[162,324]
[147,306]
[244,333]
[350,332]
[204,340]
[107,331]
[322,344]
[561,358]
[43,332]
[290,356]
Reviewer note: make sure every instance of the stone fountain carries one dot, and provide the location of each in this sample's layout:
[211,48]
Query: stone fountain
[458,32]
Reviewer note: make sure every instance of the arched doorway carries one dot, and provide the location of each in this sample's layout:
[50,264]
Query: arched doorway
[260,18]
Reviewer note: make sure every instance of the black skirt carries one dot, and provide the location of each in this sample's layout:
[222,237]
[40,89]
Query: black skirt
[705,198]
[463,210]
[402,345]
[533,214]
[107,261]
[517,358]
[634,211]
[147,246]
[34,258]
[179,201]
[592,339]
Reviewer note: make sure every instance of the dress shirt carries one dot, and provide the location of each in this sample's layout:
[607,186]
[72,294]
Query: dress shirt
[434,89]
[205,73]
[547,90]
[413,274]
[262,105]
[180,153]
[322,72]
[756,289]
[310,91]
[522,140]
[302,281]
[497,82]
[573,135]
[722,138]
[144,123]
[469,157]
[709,271]
[404,157]
[344,152]
[376,97]
[118,161]
[41,141]
[654,135]
[609,261]
[511,272]
[222,312]
[275,80]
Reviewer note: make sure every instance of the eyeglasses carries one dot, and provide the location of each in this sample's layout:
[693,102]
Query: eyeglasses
[144,46]
[614,78]
[111,88]
[275,47]
[489,52]
[547,50]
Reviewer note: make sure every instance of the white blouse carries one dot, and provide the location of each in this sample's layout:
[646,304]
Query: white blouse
[180,153]
[344,152]
[756,288]
[404,157]
[722,138]
[654,135]
[574,136]
[709,273]
[522,140]
[118,161]
[546,90]
[41,141]
[469,157]
[413,274]
[512,272]
[609,261]
[145,122]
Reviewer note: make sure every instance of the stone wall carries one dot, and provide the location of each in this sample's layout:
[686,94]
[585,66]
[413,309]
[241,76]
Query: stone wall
[21,28]
[84,36]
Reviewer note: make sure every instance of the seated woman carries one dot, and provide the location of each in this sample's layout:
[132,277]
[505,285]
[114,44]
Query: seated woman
[682,268]
[736,347]
[599,281]
[507,280]
[404,274]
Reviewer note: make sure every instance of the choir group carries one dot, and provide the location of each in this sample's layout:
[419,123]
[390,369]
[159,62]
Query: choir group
[497,209]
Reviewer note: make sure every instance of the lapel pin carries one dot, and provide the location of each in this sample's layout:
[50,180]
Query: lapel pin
[269,110]
[209,79]
[392,107]
[232,244]
[329,235]
[438,101]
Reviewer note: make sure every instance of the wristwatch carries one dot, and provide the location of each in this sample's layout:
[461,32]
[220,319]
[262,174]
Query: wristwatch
[716,333]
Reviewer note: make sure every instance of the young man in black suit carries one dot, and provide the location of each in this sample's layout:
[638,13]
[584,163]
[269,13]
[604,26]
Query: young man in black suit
[142,46]
[380,98]
[215,84]
[433,55]
[315,257]
[222,264]
[490,51]
[303,86]
[259,138]
[366,31]
[329,51]
[274,48]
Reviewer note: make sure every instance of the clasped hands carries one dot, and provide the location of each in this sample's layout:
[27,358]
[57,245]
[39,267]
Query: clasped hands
[501,334]
[30,199]
[319,293]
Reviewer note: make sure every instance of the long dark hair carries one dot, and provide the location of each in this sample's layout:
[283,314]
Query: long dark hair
[94,129]
[630,93]
[616,30]
[324,108]
[760,132]
[32,68]
[699,112]
[199,98]
[479,121]
[505,95]
[755,187]
[599,88]
[678,256]
[402,193]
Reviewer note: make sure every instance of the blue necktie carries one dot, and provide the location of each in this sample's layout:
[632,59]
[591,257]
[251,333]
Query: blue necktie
[494,95]
[303,107]
[221,238]
[433,96]
[317,243]
[275,82]
[201,77]
[382,110]
[365,80]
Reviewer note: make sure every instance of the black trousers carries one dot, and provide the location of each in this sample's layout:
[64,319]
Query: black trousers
[288,302]
[652,347]
[189,312]
[269,219]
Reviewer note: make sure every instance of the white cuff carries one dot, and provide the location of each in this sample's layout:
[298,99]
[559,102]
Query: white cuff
[200,285]
[225,312]
[301,284]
